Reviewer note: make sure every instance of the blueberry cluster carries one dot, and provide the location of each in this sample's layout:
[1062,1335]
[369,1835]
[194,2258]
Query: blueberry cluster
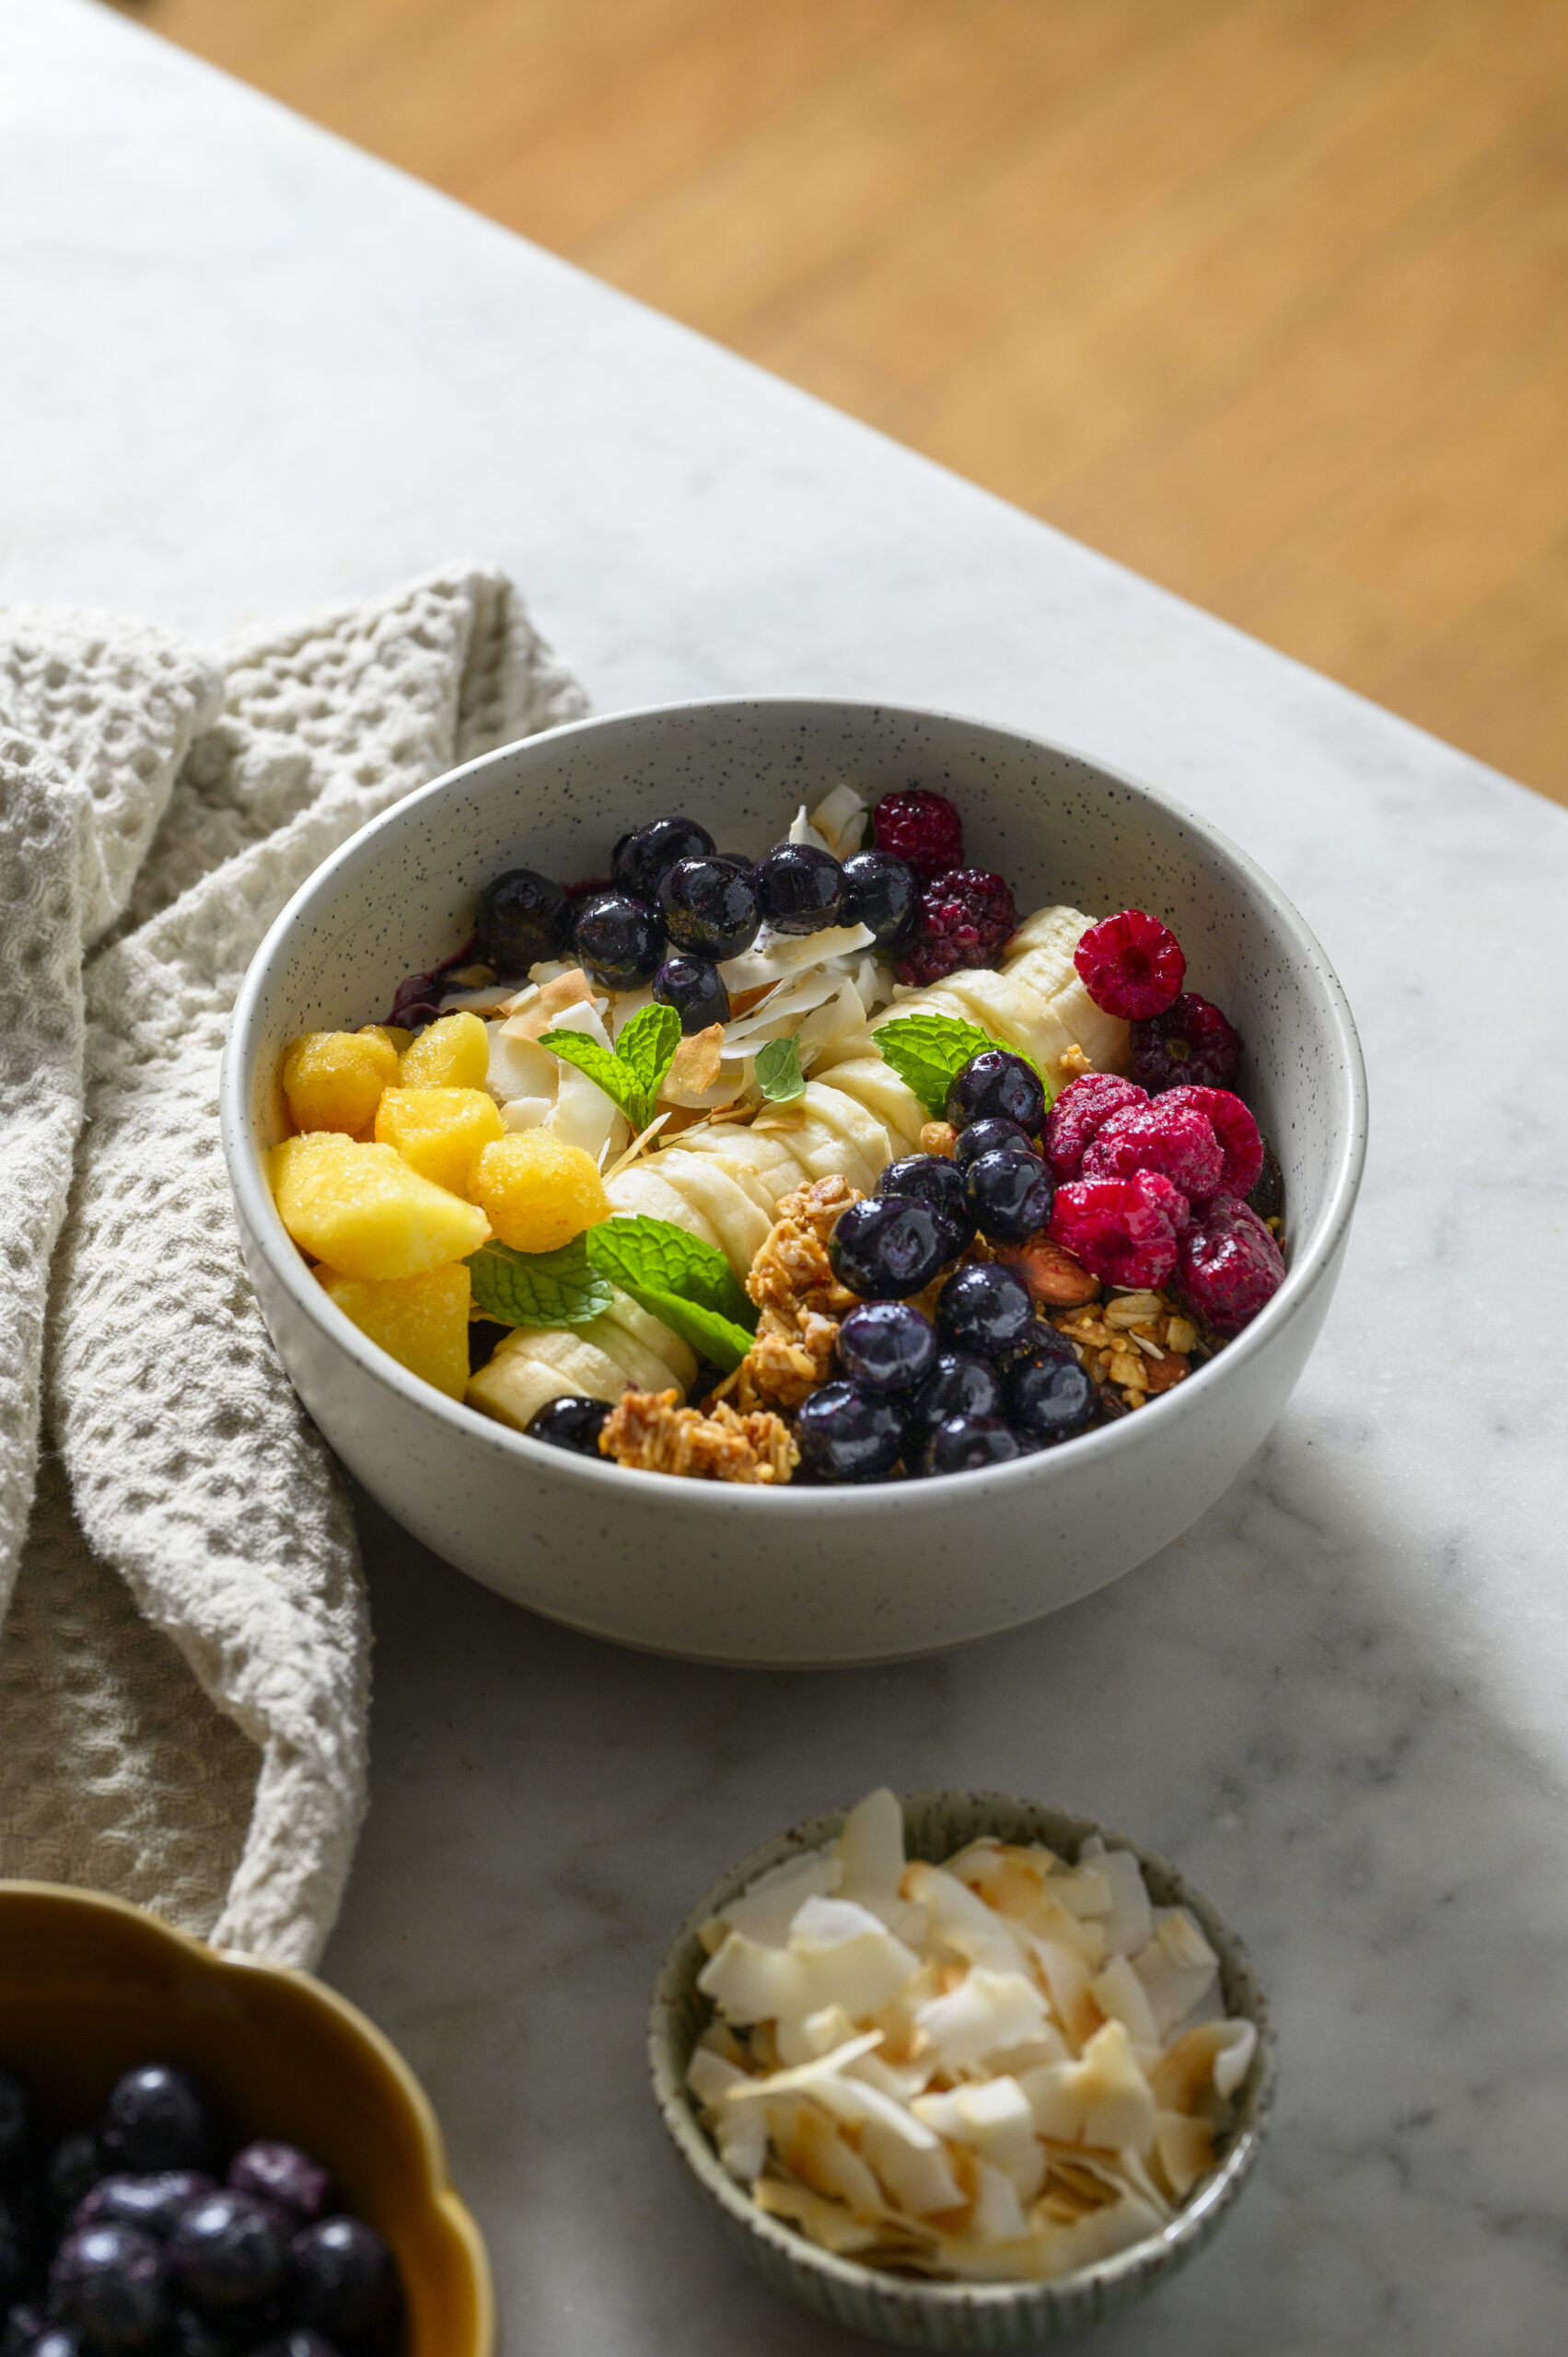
[121,2237]
[676,908]
[985,1380]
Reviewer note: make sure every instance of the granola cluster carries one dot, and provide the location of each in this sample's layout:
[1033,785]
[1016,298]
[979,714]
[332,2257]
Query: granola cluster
[1134,1344]
[801,1301]
[651,1431]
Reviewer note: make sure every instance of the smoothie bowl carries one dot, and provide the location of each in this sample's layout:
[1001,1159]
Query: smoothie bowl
[791,1182]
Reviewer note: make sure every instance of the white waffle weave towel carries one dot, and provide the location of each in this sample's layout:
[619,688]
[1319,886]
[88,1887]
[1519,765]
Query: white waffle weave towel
[184,1640]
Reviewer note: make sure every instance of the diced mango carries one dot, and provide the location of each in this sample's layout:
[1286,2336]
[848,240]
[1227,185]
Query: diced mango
[438,1131]
[421,1322]
[539,1191]
[333,1079]
[396,1036]
[453,1053]
[362,1209]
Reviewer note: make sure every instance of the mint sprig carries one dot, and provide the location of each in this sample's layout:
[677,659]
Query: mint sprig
[928,1051]
[559,1288]
[779,1076]
[633,1072]
[687,1284]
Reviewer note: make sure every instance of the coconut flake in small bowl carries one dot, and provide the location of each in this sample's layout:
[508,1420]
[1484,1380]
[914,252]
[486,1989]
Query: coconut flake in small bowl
[961,2072]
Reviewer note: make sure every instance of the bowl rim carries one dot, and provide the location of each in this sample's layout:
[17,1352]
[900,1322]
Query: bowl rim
[1197,2218]
[245,1157]
[203,1958]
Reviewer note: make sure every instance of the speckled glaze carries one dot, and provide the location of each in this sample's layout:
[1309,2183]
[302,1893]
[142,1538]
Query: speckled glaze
[800,1577]
[914,2314]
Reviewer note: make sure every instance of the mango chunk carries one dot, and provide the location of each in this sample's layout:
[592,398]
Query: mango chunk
[538,1191]
[362,1209]
[453,1053]
[333,1079]
[396,1036]
[438,1131]
[421,1322]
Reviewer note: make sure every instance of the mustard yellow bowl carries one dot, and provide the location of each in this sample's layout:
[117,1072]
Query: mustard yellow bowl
[89,1986]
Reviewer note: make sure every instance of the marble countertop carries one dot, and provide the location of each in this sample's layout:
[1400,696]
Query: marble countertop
[245,370]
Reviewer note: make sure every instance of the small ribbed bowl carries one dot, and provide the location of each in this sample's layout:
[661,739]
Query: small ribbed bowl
[90,1986]
[908,2310]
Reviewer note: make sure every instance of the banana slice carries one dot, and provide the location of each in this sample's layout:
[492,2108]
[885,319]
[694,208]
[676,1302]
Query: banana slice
[645,1188]
[736,1219]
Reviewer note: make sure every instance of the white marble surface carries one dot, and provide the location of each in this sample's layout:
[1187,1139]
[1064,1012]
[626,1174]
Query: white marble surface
[243,368]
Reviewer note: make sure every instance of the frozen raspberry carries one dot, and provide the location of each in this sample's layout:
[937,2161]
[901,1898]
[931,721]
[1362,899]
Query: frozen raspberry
[965,917]
[1230,1265]
[1082,1110]
[1123,1230]
[1237,1131]
[1191,1042]
[1131,965]
[1178,1141]
[921,827]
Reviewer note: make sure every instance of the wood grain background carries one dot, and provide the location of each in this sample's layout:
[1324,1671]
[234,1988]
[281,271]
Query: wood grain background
[1267,298]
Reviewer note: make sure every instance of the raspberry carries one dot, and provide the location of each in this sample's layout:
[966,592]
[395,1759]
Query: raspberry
[965,917]
[1191,1042]
[1178,1141]
[1131,965]
[1237,1131]
[1123,1230]
[921,827]
[1230,1265]
[1081,1112]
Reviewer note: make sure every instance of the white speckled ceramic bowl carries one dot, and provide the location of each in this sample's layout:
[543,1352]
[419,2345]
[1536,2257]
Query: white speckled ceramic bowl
[806,1576]
[907,2309]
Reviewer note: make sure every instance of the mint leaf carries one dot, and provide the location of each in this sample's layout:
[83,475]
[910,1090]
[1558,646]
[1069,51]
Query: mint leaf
[711,1335]
[642,1255]
[779,1076]
[928,1051]
[538,1288]
[646,1047]
[604,1069]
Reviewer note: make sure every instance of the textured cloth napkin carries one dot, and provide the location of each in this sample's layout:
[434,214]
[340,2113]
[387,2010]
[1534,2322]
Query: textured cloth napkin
[184,1640]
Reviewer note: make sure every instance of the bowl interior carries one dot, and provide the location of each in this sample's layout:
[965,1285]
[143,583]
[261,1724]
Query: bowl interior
[938,1824]
[402,894]
[88,1987]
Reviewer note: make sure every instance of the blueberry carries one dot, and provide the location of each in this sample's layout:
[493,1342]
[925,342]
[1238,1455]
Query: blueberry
[691,985]
[281,2173]
[572,1421]
[643,859]
[957,1385]
[743,860]
[932,1179]
[344,2279]
[108,2284]
[1051,1398]
[845,1434]
[153,2202]
[299,2341]
[997,1084]
[990,1137]
[157,2118]
[882,891]
[620,940]
[24,2327]
[967,1444]
[709,906]
[73,2169]
[190,2334]
[1009,1195]
[799,889]
[56,2340]
[16,2121]
[887,1347]
[228,2251]
[523,918]
[986,1310]
[889,1246]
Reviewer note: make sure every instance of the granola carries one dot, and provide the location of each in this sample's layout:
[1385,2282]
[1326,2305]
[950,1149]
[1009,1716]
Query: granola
[1134,1344]
[651,1431]
[801,1301]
